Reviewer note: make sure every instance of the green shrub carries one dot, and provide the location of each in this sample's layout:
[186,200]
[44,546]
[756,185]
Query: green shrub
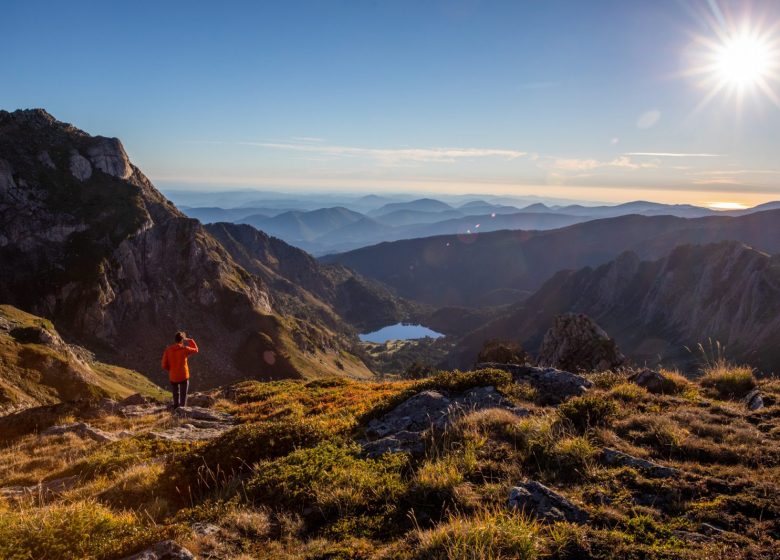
[572,455]
[237,450]
[331,478]
[588,411]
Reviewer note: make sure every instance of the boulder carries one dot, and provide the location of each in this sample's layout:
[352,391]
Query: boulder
[576,343]
[415,414]
[80,167]
[165,550]
[549,506]
[754,400]
[201,400]
[134,400]
[401,442]
[204,529]
[653,381]
[553,386]
[82,429]
[614,457]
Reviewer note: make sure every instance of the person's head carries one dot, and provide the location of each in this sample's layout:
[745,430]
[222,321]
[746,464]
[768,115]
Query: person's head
[179,337]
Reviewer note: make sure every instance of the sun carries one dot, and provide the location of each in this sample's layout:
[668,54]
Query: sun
[744,60]
[736,61]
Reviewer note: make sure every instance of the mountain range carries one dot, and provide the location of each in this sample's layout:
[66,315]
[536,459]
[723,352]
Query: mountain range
[505,266]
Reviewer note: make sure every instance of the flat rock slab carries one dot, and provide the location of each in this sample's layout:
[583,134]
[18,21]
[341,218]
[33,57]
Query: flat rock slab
[553,386]
[45,489]
[136,411]
[545,504]
[82,429]
[165,550]
[204,414]
[189,432]
[615,457]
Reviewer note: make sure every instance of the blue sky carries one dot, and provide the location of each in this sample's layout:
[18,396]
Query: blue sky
[553,97]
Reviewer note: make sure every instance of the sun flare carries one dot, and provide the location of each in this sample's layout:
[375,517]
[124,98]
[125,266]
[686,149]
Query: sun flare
[727,205]
[737,61]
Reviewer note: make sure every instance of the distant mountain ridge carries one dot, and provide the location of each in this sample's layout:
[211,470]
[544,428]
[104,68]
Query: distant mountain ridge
[503,266]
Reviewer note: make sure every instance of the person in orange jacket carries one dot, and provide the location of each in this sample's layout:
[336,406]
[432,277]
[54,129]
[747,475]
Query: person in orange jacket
[174,361]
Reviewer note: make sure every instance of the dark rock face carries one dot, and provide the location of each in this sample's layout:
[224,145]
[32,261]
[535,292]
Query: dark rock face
[553,385]
[615,457]
[576,343]
[653,381]
[87,241]
[404,428]
[545,504]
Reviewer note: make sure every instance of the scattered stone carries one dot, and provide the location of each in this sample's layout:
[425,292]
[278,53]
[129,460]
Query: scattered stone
[107,405]
[553,386]
[134,400]
[188,432]
[576,343]
[754,400]
[709,529]
[203,529]
[136,411]
[165,550]
[201,400]
[691,537]
[82,429]
[44,490]
[547,505]
[614,457]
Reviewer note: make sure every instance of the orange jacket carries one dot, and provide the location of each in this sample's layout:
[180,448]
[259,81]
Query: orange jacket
[174,361]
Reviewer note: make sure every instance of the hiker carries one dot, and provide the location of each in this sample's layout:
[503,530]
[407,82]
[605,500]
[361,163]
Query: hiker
[174,361]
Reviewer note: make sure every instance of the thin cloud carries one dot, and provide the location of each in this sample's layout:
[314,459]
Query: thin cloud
[576,164]
[395,155]
[307,139]
[669,154]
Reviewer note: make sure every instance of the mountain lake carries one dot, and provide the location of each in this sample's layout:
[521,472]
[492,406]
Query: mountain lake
[399,331]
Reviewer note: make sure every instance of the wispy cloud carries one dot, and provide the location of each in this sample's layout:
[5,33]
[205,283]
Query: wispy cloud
[670,154]
[578,164]
[307,139]
[394,155]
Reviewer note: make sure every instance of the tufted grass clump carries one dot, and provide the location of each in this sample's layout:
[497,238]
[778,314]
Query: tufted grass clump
[330,478]
[83,529]
[728,381]
[489,534]
[588,411]
[628,392]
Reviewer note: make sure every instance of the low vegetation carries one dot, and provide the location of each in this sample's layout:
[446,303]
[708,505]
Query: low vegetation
[291,480]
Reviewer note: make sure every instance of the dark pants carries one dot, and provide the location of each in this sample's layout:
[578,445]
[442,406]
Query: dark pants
[180,393]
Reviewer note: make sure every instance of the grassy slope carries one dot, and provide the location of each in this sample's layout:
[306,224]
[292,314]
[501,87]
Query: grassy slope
[289,483]
[37,374]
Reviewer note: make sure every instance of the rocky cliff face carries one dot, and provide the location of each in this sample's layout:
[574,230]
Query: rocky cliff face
[727,291]
[87,240]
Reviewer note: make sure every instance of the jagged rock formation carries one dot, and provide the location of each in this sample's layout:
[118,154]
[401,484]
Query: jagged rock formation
[576,343]
[86,240]
[727,292]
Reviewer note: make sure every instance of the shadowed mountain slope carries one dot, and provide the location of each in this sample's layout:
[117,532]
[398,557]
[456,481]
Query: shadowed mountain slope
[727,292]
